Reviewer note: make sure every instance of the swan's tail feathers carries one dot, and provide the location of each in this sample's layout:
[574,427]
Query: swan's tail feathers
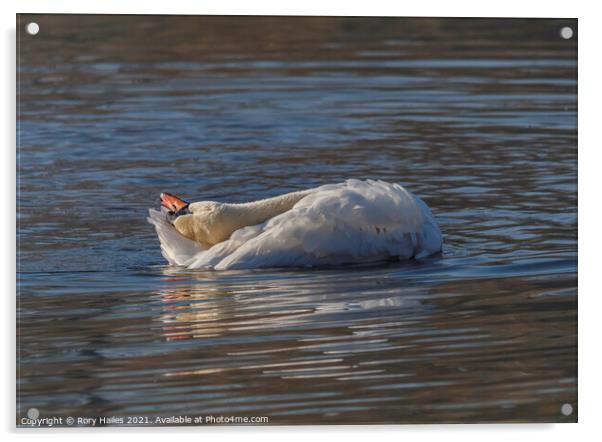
[176,249]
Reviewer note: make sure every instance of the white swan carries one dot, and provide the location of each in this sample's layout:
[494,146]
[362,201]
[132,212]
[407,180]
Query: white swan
[352,222]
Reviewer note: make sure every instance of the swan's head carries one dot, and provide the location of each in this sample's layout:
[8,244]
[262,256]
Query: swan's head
[174,205]
[195,221]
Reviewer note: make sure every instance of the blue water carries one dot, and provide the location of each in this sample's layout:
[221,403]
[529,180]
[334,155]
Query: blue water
[477,117]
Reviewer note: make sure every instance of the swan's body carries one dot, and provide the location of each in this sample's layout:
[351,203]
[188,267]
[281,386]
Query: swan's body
[352,222]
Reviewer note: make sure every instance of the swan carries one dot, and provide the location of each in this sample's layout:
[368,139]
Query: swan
[351,222]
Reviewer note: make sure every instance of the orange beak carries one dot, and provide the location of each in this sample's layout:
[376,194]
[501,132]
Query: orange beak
[172,203]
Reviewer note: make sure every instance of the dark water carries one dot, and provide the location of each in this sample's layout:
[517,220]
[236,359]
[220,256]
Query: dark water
[478,117]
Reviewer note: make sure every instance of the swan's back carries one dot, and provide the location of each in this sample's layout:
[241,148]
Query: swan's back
[355,221]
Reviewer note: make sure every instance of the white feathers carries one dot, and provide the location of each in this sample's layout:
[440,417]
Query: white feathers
[176,249]
[355,221]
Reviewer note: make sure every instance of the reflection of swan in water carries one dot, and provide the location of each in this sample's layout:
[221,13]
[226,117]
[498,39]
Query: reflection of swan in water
[214,307]
[352,222]
[200,317]
[300,324]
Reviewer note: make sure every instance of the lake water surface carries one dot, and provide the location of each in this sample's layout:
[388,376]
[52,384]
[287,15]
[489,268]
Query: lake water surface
[477,117]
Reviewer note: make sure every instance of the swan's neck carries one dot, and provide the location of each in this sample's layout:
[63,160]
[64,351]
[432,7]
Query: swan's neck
[216,222]
[257,212]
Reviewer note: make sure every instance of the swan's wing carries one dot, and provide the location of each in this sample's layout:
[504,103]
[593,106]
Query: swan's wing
[176,249]
[208,259]
[349,222]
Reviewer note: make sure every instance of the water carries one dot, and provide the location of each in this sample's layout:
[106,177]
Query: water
[478,117]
